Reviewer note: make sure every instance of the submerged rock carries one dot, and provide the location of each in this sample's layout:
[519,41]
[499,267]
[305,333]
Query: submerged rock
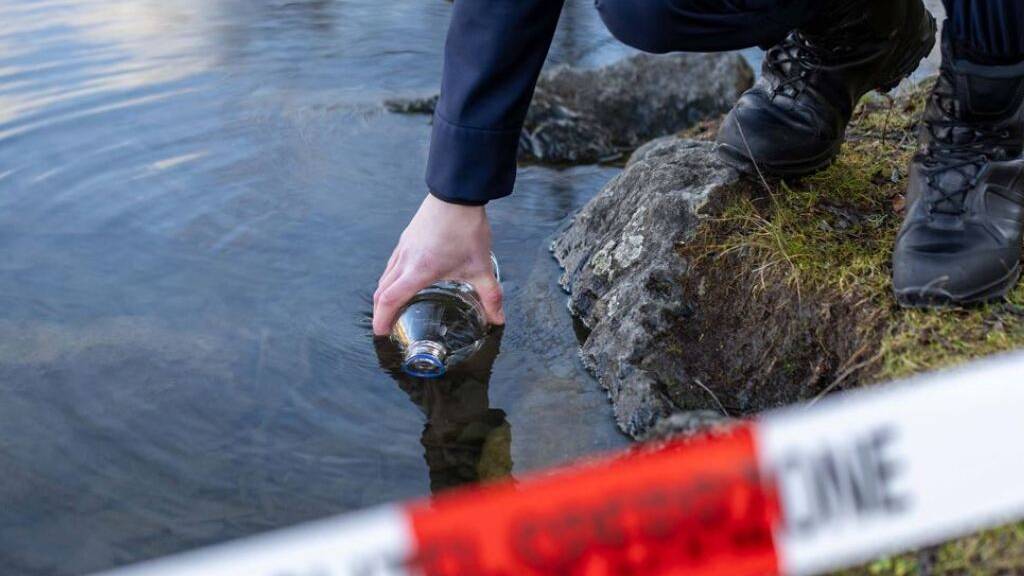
[583,116]
[622,271]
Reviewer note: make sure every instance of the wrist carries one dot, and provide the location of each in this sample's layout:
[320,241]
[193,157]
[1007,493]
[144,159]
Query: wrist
[456,209]
[457,201]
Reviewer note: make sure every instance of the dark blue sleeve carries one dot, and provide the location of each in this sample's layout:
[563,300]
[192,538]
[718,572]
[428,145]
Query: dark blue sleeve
[493,55]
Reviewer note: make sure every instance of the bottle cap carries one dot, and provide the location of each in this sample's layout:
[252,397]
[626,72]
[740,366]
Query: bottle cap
[425,359]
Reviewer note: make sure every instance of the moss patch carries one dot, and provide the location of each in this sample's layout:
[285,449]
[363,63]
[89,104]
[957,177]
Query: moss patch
[827,239]
[807,264]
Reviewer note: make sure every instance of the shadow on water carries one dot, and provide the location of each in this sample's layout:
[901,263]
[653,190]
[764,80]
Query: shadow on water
[464,439]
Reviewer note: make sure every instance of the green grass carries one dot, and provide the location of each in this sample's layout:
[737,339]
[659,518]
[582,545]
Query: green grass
[832,233]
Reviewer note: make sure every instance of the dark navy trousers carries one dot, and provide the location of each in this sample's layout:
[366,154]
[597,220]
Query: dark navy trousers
[495,50]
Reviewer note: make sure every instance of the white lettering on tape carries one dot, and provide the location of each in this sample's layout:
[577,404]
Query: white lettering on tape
[832,484]
[884,470]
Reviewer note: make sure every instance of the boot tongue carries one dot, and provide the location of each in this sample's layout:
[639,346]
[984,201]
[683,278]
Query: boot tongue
[949,187]
[955,181]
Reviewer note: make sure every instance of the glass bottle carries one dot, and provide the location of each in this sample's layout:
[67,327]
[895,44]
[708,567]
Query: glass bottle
[441,326]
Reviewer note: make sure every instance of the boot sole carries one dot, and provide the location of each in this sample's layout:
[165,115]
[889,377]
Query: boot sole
[925,297]
[741,161]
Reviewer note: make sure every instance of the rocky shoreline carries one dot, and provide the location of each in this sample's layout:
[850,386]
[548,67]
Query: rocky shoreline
[676,330]
[582,116]
[708,296]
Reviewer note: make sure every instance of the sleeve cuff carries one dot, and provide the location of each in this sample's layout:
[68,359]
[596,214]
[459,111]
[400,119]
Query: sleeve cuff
[471,165]
[458,201]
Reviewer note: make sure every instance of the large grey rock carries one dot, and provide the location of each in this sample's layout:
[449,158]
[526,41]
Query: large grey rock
[623,270]
[582,116]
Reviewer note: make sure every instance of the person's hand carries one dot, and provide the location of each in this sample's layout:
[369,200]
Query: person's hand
[443,241]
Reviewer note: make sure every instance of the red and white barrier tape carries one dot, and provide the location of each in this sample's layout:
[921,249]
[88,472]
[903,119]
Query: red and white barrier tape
[799,491]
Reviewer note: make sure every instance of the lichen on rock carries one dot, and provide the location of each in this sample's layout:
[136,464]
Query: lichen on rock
[622,266]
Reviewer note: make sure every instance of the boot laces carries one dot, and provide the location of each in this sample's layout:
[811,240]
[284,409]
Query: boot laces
[793,60]
[959,149]
[801,53]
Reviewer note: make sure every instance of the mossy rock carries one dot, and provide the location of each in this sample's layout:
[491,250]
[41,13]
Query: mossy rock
[813,258]
[826,241]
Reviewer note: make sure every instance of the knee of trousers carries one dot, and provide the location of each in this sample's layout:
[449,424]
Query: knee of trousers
[641,24]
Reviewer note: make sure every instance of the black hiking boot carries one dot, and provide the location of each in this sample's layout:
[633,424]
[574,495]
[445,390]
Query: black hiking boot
[792,121]
[961,237]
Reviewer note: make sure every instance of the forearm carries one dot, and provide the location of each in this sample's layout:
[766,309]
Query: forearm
[493,56]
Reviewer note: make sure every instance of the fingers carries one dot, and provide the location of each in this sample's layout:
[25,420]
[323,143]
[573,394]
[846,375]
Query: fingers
[387,279]
[390,299]
[490,293]
[392,261]
[391,272]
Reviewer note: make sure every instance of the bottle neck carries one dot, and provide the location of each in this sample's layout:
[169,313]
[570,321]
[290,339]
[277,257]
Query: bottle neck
[425,358]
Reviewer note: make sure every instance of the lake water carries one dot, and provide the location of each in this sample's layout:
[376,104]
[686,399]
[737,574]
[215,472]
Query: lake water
[196,199]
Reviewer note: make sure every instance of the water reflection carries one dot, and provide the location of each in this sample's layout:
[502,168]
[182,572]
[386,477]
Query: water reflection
[464,439]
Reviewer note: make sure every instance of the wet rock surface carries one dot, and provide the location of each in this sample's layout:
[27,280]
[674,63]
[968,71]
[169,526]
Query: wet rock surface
[585,116]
